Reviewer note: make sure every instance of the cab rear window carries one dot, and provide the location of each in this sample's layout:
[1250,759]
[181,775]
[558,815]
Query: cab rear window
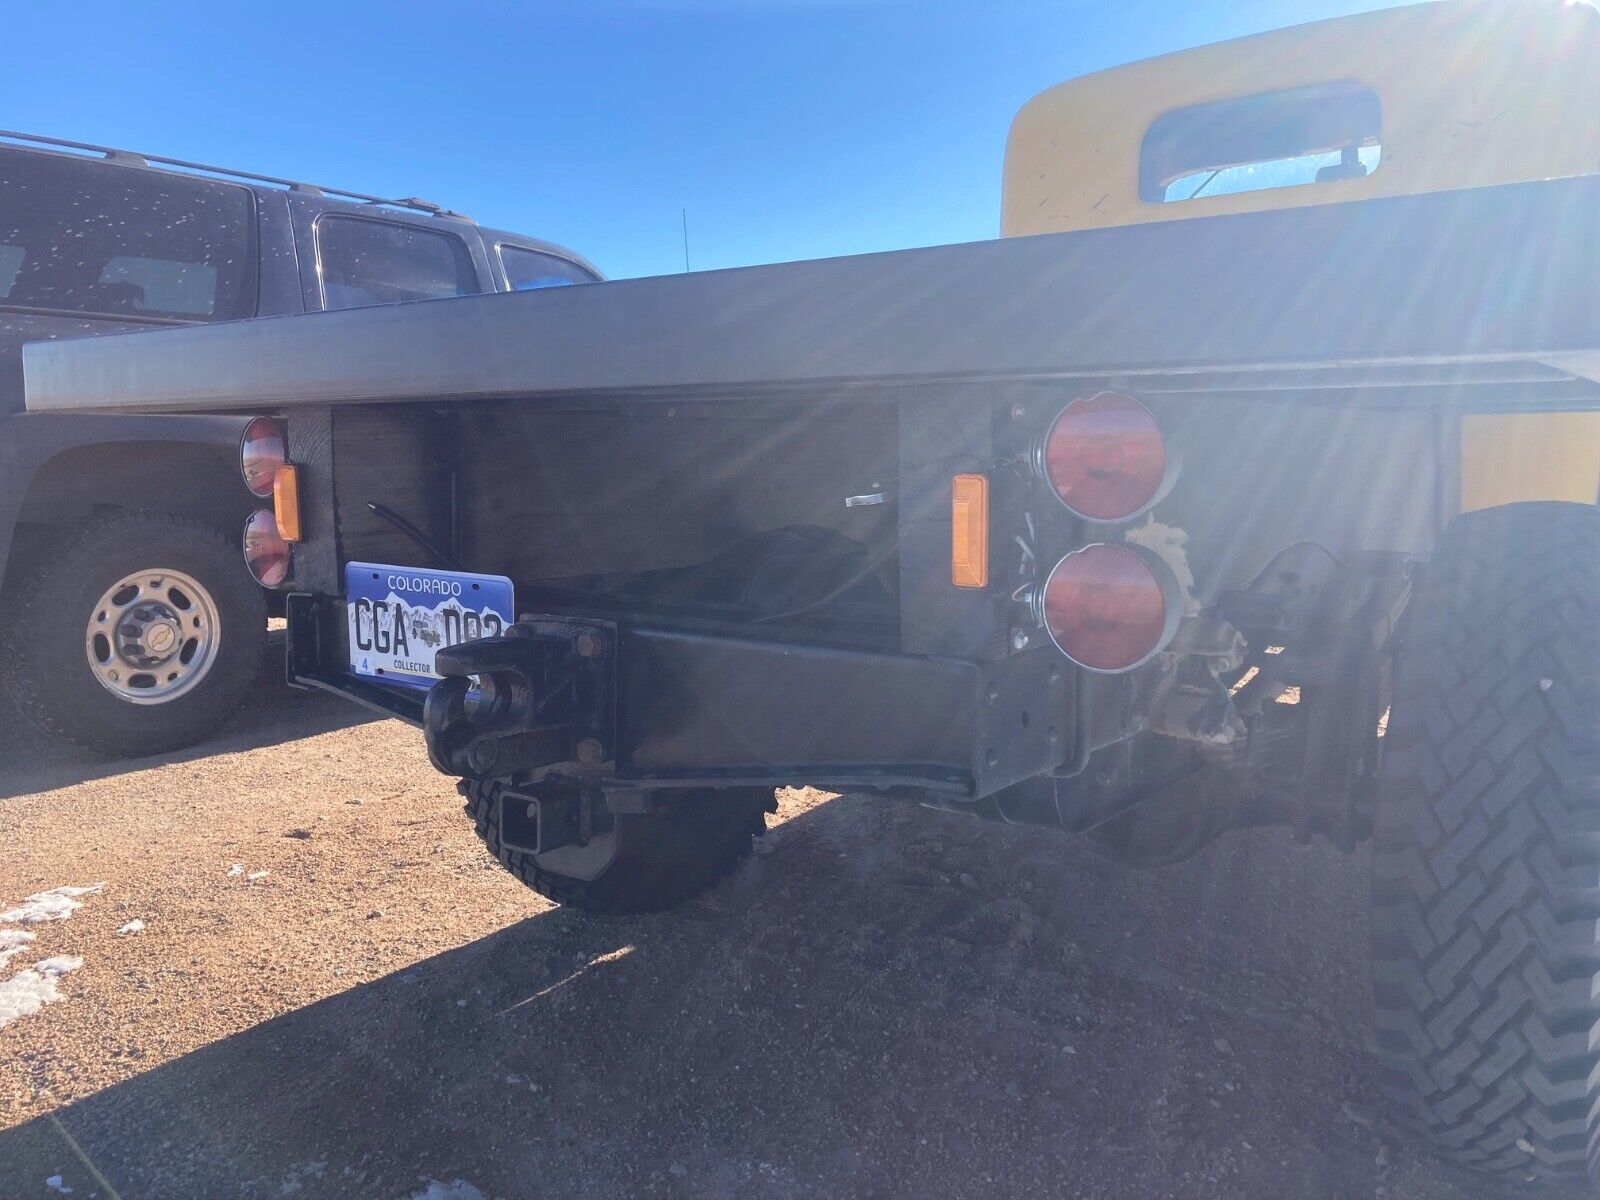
[86,236]
[1299,136]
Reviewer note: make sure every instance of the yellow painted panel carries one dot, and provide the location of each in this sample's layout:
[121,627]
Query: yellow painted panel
[1473,93]
[1532,456]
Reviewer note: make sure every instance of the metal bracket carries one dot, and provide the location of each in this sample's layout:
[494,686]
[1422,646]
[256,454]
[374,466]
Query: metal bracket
[543,695]
[565,824]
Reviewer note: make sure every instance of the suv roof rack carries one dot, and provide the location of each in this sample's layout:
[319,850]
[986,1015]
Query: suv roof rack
[133,158]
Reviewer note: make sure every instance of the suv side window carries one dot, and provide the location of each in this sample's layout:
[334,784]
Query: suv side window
[527,270]
[83,236]
[361,261]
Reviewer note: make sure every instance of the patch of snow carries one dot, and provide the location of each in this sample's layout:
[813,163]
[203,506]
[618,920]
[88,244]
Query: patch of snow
[59,965]
[133,926]
[55,905]
[235,870]
[28,991]
[12,942]
[255,875]
[56,1184]
[459,1189]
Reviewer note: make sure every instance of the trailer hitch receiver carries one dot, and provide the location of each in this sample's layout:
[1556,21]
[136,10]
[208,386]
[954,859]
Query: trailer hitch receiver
[543,695]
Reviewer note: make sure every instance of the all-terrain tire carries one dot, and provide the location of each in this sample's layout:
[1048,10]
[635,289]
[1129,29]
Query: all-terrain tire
[1486,874]
[53,594]
[664,858]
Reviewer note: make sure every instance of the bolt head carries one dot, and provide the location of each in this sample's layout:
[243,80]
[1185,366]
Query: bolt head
[590,645]
[590,750]
[1019,639]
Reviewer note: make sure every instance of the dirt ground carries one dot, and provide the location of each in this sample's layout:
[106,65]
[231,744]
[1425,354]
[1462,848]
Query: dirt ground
[885,1002]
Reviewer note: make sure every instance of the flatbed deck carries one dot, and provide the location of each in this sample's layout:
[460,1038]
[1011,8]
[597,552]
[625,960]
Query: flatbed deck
[1483,286]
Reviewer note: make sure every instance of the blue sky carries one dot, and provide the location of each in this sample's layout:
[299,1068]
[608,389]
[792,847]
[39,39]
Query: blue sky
[787,128]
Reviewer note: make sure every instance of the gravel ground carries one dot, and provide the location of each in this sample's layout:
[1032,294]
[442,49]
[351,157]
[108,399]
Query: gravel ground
[884,1002]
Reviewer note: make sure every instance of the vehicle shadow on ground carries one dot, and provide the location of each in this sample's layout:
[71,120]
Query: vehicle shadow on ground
[273,713]
[884,1002]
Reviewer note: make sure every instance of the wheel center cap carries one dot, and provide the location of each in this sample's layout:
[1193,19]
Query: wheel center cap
[160,637]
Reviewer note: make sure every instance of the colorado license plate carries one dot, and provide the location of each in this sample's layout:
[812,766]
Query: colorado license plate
[399,618]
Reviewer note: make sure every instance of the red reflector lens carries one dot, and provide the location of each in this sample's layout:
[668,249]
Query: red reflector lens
[1105,457]
[261,453]
[265,551]
[1110,607]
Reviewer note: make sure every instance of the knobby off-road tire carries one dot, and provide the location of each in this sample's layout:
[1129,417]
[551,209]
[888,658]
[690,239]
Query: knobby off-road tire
[56,594]
[663,859]
[1486,880]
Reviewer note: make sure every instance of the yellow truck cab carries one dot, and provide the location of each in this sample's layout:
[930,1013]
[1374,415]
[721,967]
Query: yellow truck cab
[1427,98]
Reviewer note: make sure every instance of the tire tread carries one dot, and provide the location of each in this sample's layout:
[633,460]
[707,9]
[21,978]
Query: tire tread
[1486,867]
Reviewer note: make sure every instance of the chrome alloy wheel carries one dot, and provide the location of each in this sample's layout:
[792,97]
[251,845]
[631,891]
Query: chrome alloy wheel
[153,636]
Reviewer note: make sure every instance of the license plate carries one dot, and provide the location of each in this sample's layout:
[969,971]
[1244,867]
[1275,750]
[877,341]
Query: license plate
[399,618]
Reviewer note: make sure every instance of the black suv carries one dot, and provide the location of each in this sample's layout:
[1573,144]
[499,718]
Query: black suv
[131,624]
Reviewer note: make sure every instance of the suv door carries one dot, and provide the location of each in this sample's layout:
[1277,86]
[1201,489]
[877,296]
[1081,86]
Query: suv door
[352,256]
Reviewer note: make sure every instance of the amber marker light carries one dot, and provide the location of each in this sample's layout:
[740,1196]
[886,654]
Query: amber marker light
[969,531]
[286,502]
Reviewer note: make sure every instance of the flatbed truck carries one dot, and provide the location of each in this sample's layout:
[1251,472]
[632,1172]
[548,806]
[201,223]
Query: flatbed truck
[1274,509]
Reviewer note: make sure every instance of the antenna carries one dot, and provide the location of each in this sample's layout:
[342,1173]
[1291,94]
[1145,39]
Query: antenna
[685,213]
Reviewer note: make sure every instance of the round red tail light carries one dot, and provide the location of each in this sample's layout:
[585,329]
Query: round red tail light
[1104,456]
[262,451]
[1110,607]
[265,551]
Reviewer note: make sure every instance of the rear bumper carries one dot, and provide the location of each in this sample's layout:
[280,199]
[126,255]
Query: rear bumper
[683,709]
